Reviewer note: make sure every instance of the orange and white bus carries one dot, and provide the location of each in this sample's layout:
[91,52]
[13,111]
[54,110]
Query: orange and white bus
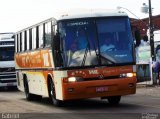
[68,58]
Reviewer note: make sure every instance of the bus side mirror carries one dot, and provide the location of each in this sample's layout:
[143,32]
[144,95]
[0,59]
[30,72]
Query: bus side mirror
[137,37]
[145,38]
[57,50]
[56,42]
[13,36]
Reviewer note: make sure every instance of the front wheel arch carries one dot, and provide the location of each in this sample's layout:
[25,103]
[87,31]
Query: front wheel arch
[26,88]
[52,92]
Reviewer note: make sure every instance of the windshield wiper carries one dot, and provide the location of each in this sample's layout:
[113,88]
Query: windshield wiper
[111,60]
[87,49]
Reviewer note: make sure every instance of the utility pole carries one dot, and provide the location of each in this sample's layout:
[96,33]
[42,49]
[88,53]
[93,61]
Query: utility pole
[151,32]
[148,9]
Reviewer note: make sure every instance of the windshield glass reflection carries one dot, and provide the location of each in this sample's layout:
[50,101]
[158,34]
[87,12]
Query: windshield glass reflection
[91,42]
[6,53]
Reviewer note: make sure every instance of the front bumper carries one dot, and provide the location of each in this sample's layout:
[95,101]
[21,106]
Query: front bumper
[88,89]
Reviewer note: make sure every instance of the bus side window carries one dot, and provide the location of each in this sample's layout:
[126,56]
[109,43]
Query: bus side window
[41,36]
[30,39]
[34,38]
[20,42]
[52,35]
[48,34]
[25,40]
[37,36]
[16,43]
[27,36]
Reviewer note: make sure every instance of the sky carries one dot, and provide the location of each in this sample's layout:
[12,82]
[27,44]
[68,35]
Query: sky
[19,14]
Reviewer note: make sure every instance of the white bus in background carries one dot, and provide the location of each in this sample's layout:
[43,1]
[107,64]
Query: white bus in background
[144,61]
[7,64]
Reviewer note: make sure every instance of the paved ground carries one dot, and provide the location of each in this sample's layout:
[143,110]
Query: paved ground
[148,90]
[145,102]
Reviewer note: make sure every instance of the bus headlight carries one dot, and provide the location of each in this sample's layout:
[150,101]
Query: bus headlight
[72,79]
[75,79]
[128,75]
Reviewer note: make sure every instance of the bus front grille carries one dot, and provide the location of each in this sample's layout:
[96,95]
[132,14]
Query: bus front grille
[8,69]
[8,81]
[9,76]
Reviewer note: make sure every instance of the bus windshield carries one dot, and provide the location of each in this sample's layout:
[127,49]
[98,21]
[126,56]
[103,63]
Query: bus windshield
[98,41]
[6,53]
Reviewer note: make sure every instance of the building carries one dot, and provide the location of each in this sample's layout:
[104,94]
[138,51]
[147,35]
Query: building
[143,24]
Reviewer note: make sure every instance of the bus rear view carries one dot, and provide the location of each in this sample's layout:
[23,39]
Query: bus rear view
[7,64]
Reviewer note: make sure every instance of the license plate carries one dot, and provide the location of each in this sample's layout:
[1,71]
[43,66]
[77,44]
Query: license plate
[101,89]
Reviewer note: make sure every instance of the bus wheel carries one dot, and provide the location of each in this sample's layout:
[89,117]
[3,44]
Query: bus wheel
[52,94]
[114,100]
[26,90]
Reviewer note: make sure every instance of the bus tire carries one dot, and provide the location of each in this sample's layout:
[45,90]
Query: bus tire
[29,96]
[114,100]
[52,94]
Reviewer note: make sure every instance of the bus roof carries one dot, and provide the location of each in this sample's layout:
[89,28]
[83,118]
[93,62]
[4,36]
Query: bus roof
[81,13]
[85,13]
[6,36]
[8,42]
